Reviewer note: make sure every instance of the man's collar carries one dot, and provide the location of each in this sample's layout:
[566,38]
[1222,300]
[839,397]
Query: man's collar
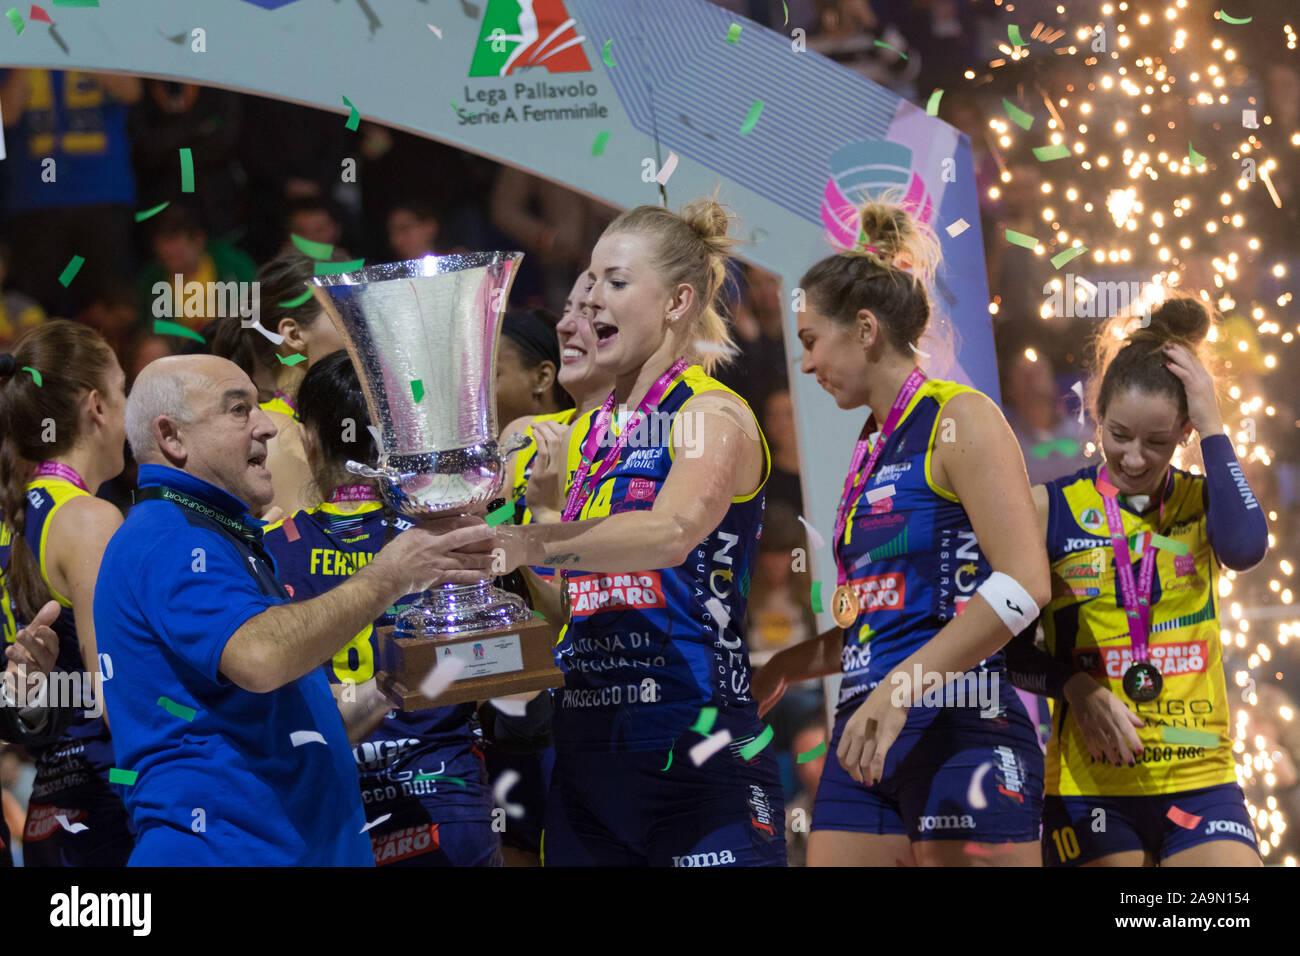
[204,491]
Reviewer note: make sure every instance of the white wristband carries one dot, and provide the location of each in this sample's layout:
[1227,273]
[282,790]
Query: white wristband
[1009,601]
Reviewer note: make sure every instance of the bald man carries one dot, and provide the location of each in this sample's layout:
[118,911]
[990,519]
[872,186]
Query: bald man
[229,741]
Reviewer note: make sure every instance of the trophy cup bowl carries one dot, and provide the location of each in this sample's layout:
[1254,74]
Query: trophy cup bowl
[423,337]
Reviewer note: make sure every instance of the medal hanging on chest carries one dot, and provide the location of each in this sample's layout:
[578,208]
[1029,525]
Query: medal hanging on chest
[1142,681]
[845,605]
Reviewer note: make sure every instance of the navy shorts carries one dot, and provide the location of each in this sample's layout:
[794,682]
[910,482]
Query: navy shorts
[106,839]
[950,775]
[467,843]
[1078,830]
[528,794]
[625,809]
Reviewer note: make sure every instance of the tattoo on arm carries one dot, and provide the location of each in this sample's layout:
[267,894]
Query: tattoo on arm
[561,560]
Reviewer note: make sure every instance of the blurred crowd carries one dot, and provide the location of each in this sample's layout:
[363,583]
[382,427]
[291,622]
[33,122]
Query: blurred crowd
[266,170]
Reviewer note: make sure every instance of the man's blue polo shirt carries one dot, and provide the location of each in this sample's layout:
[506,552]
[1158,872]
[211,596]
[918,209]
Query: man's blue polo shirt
[228,787]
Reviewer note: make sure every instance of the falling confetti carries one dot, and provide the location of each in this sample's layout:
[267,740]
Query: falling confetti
[290,529]
[605,54]
[70,827]
[144,214]
[1169,544]
[891,48]
[70,271]
[598,144]
[16,19]
[1188,738]
[1018,116]
[300,738]
[435,30]
[1045,154]
[816,597]
[808,756]
[709,746]
[704,722]
[375,822]
[296,300]
[932,107]
[815,539]
[975,792]
[417,390]
[918,351]
[505,783]
[339,268]
[37,14]
[1077,388]
[1235,21]
[292,359]
[36,376]
[754,747]
[312,250]
[718,612]
[441,677]
[666,170]
[354,118]
[163,327]
[733,33]
[1193,157]
[879,494]
[125,777]
[1013,34]
[755,111]
[511,708]
[1188,821]
[1020,239]
[502,514]
[187,170]
[177,710]
[957,228]
[1061,258]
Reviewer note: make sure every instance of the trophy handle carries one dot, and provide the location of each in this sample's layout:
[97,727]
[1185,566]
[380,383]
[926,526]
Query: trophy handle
[365,471]
[517,442]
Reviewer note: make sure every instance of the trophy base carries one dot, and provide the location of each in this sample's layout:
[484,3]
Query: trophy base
[506,660]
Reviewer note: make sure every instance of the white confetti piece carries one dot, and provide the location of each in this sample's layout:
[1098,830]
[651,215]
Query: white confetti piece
[975,792]
[918,351]
[709,746]
[511,708]
[817,541]
[374,433]
[879,494]
[957,228]
[275,337]
[441,677]
[375,822]
[501,790]
[300,737]
[1248,120]
[714,607]
[70,827]
[666,170]
[435,30]
[1077,388]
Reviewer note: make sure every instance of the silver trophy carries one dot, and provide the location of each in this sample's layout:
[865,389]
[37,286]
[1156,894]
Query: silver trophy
[423,337]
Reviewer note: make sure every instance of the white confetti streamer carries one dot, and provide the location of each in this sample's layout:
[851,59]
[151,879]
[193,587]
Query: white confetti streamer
[918,351]
[878,494]
[975,792]
[441,677]
[709,746]
[957,228]
[502,788]
[375,822]
[70,827]
[511,708]
[275,337]
[715,607]
[666,170]
[817,541]
[300,737]
[434,29]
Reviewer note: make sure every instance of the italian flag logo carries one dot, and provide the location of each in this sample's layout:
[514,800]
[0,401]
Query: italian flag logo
[521,33]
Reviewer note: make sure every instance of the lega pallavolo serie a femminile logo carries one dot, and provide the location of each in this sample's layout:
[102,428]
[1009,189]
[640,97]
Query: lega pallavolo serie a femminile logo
[517,34]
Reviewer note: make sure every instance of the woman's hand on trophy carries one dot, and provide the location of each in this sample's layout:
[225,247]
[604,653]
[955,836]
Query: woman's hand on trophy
[549,473]
[440,551]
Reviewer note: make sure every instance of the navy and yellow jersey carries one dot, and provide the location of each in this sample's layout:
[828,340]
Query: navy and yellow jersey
[644,651]
[329,544]
[911,556]
[523,465]
[278,404]
[1085,626]
[69,116]
[84,746]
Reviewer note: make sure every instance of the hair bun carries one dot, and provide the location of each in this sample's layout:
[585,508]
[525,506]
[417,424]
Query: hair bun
[1181,317]
[7,364]
[892,237]
[707,218]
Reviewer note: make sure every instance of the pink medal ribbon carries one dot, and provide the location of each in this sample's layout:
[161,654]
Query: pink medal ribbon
[353,493]
[58,469]
[286,399]
[856,469]
[1142,680]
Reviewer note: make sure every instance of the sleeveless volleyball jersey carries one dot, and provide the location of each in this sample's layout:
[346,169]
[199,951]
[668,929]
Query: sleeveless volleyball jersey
[85,748]
[523,465]
[911,555]
[1085,625]
[646,652]
[326,545]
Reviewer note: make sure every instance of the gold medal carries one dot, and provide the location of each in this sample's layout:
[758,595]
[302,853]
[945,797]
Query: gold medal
[844,605]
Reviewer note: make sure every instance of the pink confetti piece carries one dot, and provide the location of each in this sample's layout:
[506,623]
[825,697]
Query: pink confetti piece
[1188,821]
[670,164]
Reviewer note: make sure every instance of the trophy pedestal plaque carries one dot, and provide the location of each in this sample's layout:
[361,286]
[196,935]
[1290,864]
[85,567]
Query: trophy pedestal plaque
[500,662]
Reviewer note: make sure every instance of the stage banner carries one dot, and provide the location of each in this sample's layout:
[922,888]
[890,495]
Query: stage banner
[606,97]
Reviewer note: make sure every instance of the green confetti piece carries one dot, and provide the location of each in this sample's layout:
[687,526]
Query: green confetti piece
[539,614]
[1193,157]
[817,597]
[292,359]
[417,390]
[1020,239]
[354,118]
[1018,116]
[1235,21]
[1168,544]
[163,327]
[751,120]
[1013,33]
[1066,446]
[1045,154]
[16,19]
[461,112]
[1188,738]
[787,13]
[36,376]
[70,271]
[1061,258]
[187,170]
[502,514]
[932,107]
[438,776]
[605,55]
[733,33]
[891,48]
[144,214]
[598,145]
[312,250]
[125,777]
[295,301]
[339,268]
[809,756]
[670,760]
[177,710]
[704,722]
[752,749]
